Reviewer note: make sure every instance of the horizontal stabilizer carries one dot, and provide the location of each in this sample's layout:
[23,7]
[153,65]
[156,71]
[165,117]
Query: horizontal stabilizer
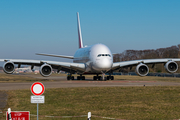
[52,55]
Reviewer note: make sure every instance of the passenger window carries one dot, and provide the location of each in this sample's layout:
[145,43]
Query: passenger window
[104,55]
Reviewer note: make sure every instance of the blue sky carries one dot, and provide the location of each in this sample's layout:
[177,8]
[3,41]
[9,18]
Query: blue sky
[50,26]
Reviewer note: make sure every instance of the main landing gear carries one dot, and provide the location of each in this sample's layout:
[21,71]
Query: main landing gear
[97,77]
[80,77]
[70,77]
[110,77]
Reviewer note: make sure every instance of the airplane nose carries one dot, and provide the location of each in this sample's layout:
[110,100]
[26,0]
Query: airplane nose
[103,64]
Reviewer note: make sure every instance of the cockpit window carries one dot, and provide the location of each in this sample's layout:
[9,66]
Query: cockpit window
[104,55]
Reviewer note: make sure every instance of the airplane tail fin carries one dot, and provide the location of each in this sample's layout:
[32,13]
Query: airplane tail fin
[79,32]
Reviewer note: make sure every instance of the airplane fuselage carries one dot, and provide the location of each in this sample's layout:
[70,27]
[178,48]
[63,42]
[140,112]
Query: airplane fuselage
[98,58]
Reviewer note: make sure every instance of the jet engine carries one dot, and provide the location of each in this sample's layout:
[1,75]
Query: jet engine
[45,70]
[142,69]
[171,66]
[9,67]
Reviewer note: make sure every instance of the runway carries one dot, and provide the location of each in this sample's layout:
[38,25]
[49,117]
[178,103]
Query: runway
[63,83]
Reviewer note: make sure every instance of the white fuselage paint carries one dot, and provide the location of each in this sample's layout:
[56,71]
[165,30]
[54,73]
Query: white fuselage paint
[97,58]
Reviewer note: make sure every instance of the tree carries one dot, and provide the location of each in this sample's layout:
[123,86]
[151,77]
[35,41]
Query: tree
[169,52]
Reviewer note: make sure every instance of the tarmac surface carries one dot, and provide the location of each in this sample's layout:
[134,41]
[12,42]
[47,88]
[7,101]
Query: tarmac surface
[61,82]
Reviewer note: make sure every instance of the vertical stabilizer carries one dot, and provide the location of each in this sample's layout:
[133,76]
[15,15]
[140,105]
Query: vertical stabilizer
[79,32]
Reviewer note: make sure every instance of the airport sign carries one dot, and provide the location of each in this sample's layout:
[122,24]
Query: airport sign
[18,115]
[37,99]
[37,88]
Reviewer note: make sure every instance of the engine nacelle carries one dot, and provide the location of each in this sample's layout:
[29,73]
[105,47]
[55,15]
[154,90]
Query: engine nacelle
[45,70]
[142,69]
[8,67]
[171,67]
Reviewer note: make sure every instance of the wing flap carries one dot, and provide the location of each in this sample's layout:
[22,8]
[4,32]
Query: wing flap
[74,66]
[52,55]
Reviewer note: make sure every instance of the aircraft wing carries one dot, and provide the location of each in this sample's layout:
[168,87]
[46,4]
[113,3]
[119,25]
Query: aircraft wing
[122,64]
[65,66]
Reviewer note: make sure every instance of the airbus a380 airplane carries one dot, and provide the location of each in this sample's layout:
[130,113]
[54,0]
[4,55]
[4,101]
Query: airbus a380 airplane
[96,59]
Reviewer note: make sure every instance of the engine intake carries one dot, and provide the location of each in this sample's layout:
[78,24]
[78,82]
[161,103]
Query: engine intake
[171,67]
[142,69]
[45,70]
[8,67]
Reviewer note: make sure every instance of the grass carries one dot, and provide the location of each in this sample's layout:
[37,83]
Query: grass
[19,78]
[138,103]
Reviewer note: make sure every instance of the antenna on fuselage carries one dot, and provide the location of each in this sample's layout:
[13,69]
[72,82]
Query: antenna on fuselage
[79,32]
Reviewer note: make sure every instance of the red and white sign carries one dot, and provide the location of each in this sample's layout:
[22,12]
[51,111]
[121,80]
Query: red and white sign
[19,115]
[37,88]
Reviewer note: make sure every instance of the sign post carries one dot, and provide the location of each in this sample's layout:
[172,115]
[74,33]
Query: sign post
[37,89]
[9,114]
